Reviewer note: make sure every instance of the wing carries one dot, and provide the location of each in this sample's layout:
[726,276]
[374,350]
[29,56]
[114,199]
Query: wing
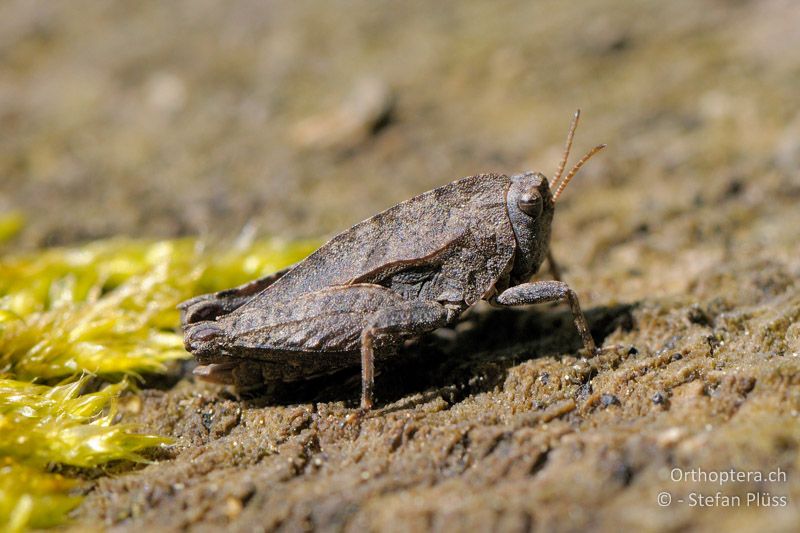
[410,234]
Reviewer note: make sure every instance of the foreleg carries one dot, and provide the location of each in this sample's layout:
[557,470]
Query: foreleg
[550,291]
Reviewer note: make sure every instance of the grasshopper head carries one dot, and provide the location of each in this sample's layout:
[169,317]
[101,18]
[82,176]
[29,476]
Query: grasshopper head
[530,208]
[531,205]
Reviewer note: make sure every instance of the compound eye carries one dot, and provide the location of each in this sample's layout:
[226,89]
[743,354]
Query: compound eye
[530,203]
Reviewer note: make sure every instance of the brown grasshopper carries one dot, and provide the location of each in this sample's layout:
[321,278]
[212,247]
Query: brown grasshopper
[406,271]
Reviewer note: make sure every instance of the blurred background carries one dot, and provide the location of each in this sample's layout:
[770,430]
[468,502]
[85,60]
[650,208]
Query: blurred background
[300,118]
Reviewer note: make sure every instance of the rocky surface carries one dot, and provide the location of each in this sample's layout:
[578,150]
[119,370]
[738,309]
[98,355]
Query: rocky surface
[300,118]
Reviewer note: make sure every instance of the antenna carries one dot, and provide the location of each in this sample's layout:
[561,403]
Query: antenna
[567,148]
[575,169]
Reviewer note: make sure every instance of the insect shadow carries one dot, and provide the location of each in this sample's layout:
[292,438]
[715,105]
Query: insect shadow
[453,364]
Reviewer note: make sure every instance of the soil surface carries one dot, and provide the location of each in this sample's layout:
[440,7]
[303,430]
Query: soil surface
[300,118]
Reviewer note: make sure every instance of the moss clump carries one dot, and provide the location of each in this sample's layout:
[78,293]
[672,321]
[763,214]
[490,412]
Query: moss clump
[105,309]
[30,498]
[43,425]
[109,307]
[10,225]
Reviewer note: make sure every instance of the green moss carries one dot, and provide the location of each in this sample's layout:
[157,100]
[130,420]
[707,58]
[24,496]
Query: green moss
[109,307]
[30,498]
[10,225]
[44,425]
[106,309]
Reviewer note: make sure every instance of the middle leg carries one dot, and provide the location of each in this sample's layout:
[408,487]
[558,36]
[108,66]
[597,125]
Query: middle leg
[408,319]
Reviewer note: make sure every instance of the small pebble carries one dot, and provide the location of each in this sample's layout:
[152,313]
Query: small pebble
[659,398]
[633,350]
[697,315]
[233,507]
[677,357]
[607,400]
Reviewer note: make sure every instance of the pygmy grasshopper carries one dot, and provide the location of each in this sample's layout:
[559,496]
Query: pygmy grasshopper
[401,273]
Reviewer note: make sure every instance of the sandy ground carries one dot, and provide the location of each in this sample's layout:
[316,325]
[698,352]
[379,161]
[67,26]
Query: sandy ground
[300,118]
